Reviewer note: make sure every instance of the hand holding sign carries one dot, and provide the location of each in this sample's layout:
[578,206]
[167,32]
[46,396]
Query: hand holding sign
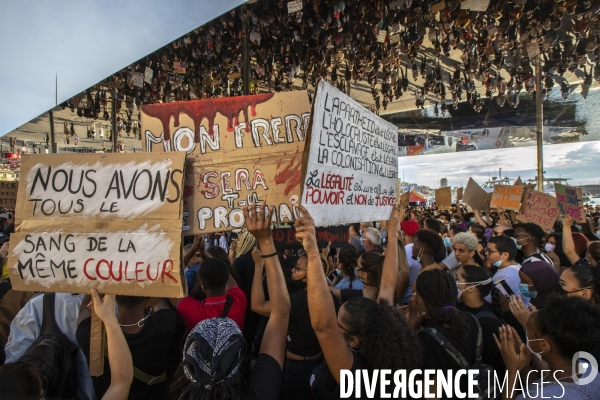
[256,222]
[305,230]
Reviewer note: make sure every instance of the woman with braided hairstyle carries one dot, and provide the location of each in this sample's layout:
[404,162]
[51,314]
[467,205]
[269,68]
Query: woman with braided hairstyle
[437,292]
[348,261]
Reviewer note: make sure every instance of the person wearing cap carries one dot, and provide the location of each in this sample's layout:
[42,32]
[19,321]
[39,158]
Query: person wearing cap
[410,228]
[214,351]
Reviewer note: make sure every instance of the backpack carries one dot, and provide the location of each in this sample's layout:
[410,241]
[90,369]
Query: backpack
[54,356]
[484,370]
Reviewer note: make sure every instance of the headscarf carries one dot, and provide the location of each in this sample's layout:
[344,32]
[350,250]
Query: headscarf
[213,352]
[246,242]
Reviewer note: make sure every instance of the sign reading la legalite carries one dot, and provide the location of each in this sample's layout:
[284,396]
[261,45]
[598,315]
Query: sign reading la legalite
[351,165]
[109,222]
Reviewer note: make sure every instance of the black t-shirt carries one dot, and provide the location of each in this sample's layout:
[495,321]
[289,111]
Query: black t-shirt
[347,294]
[436,357]
[301,338]
[265,379]
[150,349]
[325,387]
[489,326]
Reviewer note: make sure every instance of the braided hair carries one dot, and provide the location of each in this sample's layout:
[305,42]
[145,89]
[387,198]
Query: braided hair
[439,293]
[372,264]
[348,259]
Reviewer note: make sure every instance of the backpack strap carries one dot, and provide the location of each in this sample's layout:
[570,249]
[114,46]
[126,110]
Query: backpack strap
[227,307]
[141,375]
[48,321]
[449,347]
[5,286]
[486,314]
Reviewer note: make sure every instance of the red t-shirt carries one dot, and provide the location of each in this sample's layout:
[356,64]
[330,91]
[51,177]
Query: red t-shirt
[193,311]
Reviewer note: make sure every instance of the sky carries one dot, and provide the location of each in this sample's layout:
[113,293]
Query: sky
[83,42]
[578,161]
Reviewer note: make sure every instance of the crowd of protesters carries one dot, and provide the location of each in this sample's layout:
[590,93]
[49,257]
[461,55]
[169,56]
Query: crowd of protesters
[427,289]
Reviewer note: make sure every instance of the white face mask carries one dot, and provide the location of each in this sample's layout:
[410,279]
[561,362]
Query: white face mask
[460,292]
[529,347]
[549,247]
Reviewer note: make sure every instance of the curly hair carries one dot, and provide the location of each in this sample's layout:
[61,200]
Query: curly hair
[433,242]
[581,243]
[439,293]
[594,251]
[348,258]
[571,322]
[387,340]
[468,240]
[534,230]
[473,273]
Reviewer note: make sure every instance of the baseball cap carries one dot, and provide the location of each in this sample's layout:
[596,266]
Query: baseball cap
[410,227]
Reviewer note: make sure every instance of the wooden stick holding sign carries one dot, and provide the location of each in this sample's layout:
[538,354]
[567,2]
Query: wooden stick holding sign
[97,344]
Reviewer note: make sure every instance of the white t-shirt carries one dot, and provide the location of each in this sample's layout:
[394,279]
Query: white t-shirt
[511,277]
[413,270]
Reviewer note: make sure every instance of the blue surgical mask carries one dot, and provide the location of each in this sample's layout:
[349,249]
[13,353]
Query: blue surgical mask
[472,220]
[518,245]
[524,289]
[447,242]
[497,263]
[360,232]
[419,255]
[598,234]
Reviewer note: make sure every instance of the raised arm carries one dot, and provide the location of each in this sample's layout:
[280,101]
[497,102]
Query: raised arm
[320,303]
[567,240]
[389,273]
[259,304]
[197,245]
[274,339]
[119,356]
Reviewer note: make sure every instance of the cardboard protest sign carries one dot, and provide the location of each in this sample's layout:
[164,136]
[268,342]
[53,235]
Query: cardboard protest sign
[459,194]
[395,38]
[405,199]
[148,74]
[285,238]
[294,6]
[539,208]
[351,164]
[381,36]
[109,222]
[8,193]
[518,182]
[245,149]
[474,195]
[507,197]
[443,198]
[138,79]
[570,202]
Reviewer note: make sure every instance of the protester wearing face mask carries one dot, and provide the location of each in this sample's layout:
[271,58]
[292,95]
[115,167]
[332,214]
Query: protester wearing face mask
[371,239]
[554,335]
[474,285]
[428,250]
[369,269]
[550,248]
[347,264]
[528,237]
[501,252]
